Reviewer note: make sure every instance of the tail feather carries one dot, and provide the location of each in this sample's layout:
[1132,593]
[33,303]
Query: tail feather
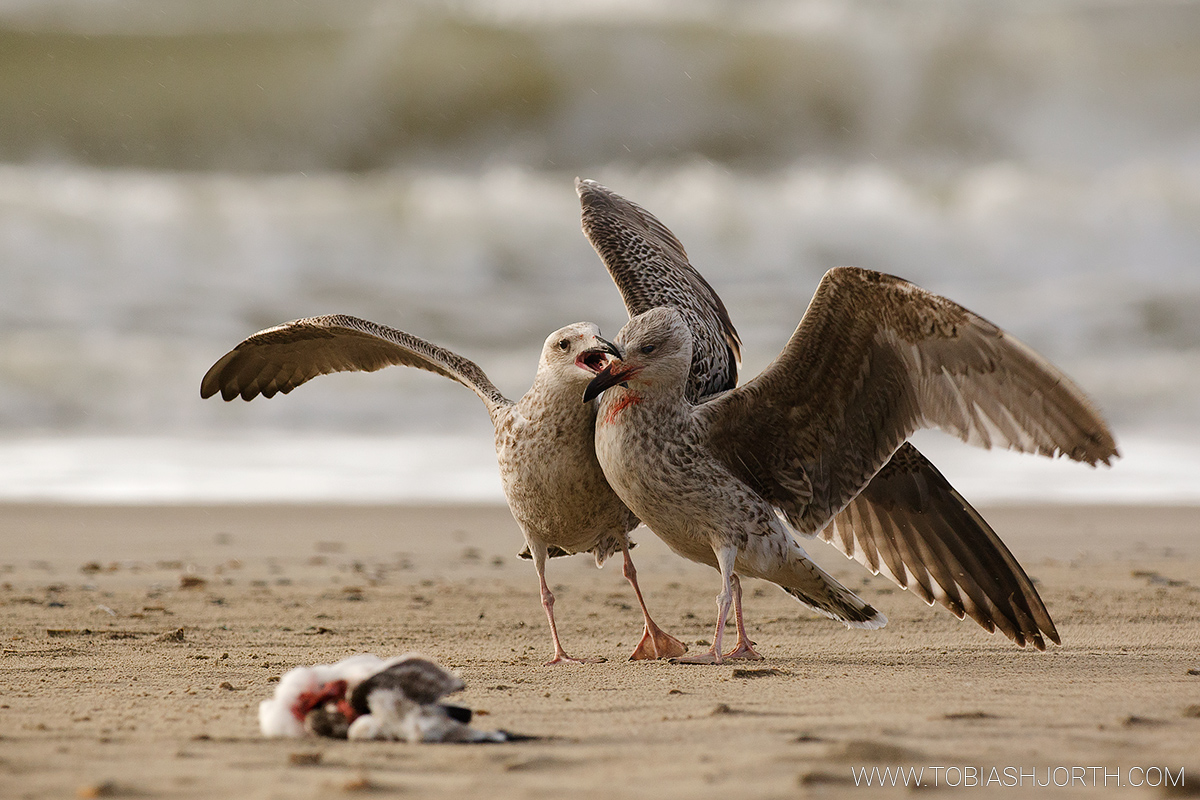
[821,592]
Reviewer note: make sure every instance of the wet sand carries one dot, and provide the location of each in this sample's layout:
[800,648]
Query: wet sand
[138,642]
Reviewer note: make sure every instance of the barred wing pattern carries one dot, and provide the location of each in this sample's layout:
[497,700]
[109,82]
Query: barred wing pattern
[651,270]
[277,360]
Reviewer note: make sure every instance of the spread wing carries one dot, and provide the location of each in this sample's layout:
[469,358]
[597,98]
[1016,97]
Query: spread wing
[874,359]
[651,270]
[279,359]
[910,524]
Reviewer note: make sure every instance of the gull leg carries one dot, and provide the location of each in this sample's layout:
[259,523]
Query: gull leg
[560,655]
[744,649]
[655,643]
[725,558]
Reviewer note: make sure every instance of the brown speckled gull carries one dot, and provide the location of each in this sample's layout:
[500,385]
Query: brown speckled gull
[544,441]
[909,523]
[874,359]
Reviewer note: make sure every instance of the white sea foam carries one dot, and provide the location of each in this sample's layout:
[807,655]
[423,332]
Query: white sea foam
[398,469]
[305,469]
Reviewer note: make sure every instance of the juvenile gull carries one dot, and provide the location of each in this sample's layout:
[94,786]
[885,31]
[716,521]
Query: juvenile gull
[874,359]
[544,441]
[909,523]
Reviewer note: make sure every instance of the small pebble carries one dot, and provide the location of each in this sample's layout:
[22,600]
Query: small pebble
[102,789]
[304,759]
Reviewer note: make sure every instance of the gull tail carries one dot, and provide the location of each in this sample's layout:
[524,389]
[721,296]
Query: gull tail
[821,592]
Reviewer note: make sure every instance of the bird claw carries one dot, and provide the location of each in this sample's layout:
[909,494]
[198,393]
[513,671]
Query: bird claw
[744,652]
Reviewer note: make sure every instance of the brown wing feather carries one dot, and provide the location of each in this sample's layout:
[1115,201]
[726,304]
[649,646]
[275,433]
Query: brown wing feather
[279,359]
[911,525]
[874,359]
[651,270]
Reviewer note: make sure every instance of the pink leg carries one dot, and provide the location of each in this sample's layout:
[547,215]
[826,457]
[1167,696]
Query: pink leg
[744,649]
[725,558]
[655,643]
[560,655]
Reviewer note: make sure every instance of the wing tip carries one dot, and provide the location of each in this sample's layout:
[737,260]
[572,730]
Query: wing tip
[212,382]
[594,196]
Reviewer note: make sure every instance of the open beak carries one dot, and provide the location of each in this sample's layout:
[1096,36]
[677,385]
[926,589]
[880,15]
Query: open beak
[595,359]
[616,372]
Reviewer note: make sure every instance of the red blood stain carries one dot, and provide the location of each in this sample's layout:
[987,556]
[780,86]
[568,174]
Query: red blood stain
[333,691]
[626,400]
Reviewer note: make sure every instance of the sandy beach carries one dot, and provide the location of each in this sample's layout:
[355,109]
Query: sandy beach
[138,642]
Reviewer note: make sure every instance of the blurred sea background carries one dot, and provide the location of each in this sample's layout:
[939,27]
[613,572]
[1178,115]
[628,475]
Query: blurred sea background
[177,174]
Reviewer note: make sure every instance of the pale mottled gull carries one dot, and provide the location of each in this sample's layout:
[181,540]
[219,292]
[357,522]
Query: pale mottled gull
[909,523]
[544,441]
[874,359]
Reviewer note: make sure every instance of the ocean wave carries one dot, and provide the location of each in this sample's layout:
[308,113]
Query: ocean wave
[458,469]
[368,85]
[122,287]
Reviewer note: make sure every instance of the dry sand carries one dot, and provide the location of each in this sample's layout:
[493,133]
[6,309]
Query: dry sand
[137,643]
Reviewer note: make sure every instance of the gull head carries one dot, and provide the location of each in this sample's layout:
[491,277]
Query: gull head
[577,352]
[654,349]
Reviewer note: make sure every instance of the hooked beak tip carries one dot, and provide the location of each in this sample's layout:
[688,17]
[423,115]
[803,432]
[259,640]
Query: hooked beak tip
[611,375]
[609,347]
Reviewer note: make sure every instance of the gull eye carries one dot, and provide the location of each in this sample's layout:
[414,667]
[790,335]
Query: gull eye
[648,349]
[564,344]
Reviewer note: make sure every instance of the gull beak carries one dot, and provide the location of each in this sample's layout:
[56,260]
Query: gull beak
[609,347]
[596,358]
[616,372]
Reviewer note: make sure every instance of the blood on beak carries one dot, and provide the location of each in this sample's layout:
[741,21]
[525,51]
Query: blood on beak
[596,358]
[616,372]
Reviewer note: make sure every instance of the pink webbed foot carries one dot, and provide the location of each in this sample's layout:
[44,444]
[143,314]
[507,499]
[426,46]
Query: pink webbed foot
[563,658]
[744,651]
[657,643]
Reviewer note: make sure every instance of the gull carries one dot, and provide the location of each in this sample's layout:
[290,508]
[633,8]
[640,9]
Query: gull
[874,359]
[365,697]
[544,441]
[908,524]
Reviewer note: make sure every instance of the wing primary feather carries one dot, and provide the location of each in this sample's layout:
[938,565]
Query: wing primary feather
[943,539]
